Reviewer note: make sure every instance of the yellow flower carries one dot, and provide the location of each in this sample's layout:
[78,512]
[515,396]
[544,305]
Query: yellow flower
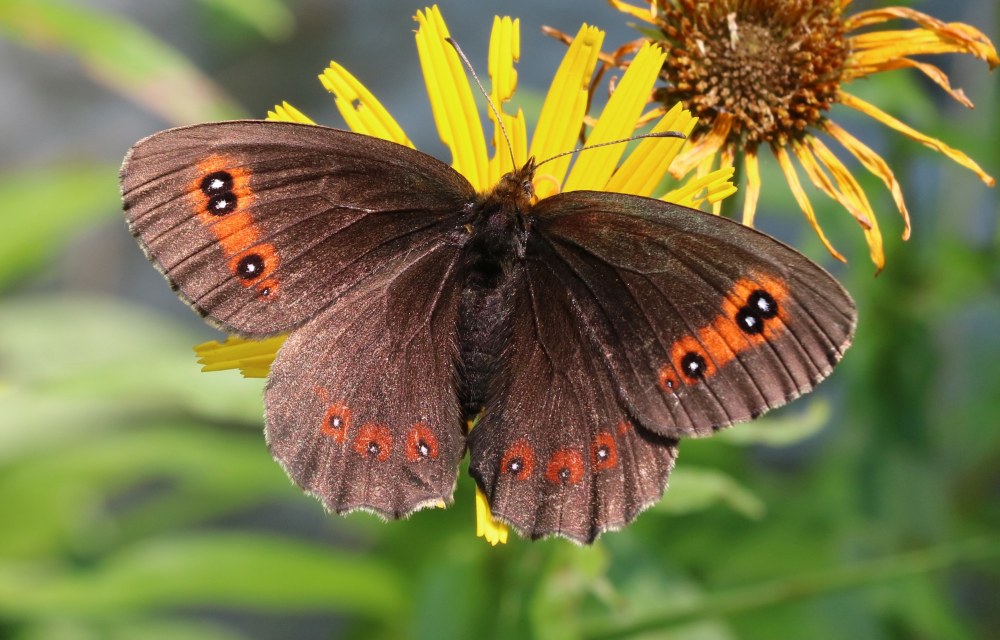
[765,72]
[559,125]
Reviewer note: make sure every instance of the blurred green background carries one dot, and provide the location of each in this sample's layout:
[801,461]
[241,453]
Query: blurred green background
[137,497]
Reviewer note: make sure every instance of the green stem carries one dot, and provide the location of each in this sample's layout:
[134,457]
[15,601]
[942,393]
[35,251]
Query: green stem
[788,589]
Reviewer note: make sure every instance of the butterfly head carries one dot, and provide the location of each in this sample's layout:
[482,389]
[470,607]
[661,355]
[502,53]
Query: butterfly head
[516,187]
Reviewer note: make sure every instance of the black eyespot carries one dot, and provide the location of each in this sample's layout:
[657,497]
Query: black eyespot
[693,366]
[515,465]
[602,453]
[215,183]
[749,321]
[422,449]
[221,204]
[564,474]
[763,304]
[373,449]
[250,267]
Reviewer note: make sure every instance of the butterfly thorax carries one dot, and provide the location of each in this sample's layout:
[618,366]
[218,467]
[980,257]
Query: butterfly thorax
[500,226]
[499,235]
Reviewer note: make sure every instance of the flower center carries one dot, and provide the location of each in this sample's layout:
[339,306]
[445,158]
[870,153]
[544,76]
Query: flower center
[772,66]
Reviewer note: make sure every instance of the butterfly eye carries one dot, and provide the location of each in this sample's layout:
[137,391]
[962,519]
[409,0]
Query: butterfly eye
[603,452]
[421,444]
[668,382]
[374,442]
[220,205]
[763,304]
[216,183]
[336,421]
[565,467]
[518,460]
[250,267]
[749,320]
[693,365]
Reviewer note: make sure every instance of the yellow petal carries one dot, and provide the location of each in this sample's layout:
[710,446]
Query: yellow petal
[871,110]
[713,187]
[362,112]
[285,112]
[959,37]
[907,42]
[864,66]
[486,527]
[875,164]
[505,50]
[817,158]
[702,146]
[647,164]
[565,105]
[645,14]
[452,102]
[593,168]
[252,357]
[800,196]
[752,166]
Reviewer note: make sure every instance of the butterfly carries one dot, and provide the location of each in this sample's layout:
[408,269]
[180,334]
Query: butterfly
[586,333]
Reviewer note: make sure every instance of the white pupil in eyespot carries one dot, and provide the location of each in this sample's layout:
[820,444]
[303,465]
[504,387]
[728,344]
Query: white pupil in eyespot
[216,184]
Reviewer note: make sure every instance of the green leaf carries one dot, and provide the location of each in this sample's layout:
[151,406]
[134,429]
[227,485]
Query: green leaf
[127,629]
[781,431]
[35,226]
[263,574]
[118,361]
[199,473]
[123,56]
[693,489]
[270,18]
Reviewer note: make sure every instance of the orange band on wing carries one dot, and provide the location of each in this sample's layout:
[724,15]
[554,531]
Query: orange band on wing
[752,312]
[222,198]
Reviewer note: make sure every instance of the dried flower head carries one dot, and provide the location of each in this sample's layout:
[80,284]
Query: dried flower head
[766,72]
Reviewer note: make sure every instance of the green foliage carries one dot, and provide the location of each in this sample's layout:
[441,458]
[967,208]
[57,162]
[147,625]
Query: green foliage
[138,499]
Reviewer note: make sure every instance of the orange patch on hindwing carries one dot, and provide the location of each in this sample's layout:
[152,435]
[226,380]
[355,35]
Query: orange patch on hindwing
[603,451]
[421,443]
[518,460]
[751,313]
[222,198]
[336,422]
[373,441]
[564,467]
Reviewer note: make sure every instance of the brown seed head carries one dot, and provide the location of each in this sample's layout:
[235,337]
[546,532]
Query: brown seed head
[773,65]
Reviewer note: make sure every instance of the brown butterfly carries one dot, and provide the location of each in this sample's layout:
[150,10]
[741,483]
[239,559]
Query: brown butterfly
[589,331]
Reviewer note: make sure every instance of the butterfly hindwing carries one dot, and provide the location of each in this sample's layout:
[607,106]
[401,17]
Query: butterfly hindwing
[362,410]
[702,322]
[261,225]
[554,450]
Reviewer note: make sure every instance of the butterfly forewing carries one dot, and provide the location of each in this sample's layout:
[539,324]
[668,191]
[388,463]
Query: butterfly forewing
[555,451]
[703,322]
[362,409]
[261,225]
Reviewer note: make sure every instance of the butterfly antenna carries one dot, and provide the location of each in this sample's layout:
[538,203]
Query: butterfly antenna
[493,108]
[657,134]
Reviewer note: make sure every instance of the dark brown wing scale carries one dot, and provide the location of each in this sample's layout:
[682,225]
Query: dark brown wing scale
[555,451]
[361,404]
[593,328]
[261,225]
[702,321]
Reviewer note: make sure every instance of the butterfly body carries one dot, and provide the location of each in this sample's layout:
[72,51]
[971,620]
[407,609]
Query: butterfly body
[589,331]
